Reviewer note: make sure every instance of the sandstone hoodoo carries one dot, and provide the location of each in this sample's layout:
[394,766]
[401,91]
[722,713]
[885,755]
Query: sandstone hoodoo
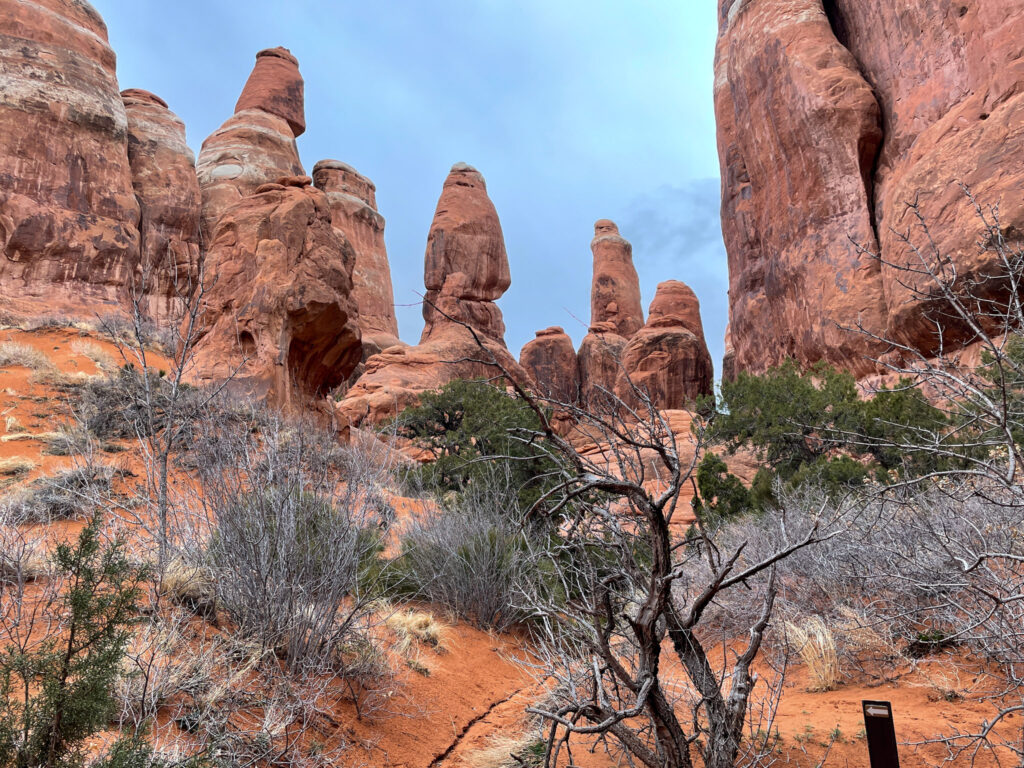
[257,144]
[354,215]
[279,316]
[550,359]
[668,358]
[465,271]
[873,105]
[615,291]
[466,239]
[164,178]
[68,213]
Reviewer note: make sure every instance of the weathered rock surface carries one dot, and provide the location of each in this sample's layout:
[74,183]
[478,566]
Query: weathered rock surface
[466,265]
[275,86]
[354,214]
[615,291]
[279,315]
[550,359]
[466,269]
[668,358]
[164,179]
[257,144]
[600,363]
[68,213]
[832,117]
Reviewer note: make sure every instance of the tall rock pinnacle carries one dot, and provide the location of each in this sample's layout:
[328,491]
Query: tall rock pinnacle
[256,145]
[354,215]
[615,292]
[466,266]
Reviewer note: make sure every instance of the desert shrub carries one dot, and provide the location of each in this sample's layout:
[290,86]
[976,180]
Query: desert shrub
[470,427]
[467,556]
[817,647]
[126,405]
[721,494]
[16,467]
[57,687]
[16,353]
[813,425]
[68,494]
[294,547]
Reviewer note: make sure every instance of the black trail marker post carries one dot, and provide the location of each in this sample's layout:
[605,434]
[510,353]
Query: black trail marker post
[881,734]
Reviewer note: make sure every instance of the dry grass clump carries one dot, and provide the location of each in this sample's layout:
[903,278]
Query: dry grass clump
[12,425]
[16,353]
[45,437]
[16,467]
[417,626]
[525,749]
[817,647]
[191,586]
[93,351]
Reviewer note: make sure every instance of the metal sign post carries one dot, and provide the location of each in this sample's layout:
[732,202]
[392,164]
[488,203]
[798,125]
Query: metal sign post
[881,734]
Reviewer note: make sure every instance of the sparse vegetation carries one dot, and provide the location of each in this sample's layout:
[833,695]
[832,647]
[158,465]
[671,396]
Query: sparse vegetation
[817,647]
[14,353]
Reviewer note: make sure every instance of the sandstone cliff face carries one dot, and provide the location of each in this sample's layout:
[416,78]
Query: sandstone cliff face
[68,214]
[279,314]
[465,270]
[257,144]
[164,179]
[550,359]
[832,116]
[668,358]
[354,214]
[615,290]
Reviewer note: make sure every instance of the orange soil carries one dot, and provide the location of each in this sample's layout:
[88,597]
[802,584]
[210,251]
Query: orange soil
[473,692]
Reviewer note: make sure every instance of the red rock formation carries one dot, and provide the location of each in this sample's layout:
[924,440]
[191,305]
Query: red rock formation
[600,363]
[164,178]
[615,291]
[668,358]
[279,315]
[257,144]
[68,213]
[275,86]
[466,239]
[550,359]
[466,269]
[354,214]
[832,116]
[729,357]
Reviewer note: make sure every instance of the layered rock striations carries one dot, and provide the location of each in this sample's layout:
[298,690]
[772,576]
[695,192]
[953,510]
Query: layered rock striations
[668,360]
[834,116]
[600,365]
[68,213]
[279,318]
[354,215]
[465,271]
[550,359]
[257,143]
[164,179]
[615,290]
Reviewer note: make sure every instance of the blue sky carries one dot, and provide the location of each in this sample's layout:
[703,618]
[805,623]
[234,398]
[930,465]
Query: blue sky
[573,111]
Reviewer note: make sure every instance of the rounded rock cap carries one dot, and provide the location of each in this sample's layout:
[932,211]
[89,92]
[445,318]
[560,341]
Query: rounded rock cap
[138,94]
[554,330]
[605,227]
[276,87]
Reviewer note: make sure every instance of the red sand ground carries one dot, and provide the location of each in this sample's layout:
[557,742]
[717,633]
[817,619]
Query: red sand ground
[473,692]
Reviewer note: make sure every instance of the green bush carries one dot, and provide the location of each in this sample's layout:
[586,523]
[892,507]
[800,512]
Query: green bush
[473,428]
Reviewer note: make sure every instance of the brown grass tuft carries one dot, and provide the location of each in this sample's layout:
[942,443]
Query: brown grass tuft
[817,648]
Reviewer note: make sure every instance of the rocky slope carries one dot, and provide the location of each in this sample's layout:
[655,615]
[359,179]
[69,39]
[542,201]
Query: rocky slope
[833,115]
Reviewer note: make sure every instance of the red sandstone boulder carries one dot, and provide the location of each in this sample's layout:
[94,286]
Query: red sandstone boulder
[68,214]
[668,359]
[550,359]
[600,363]
[255,145]
[465,238]
[354,215]
[279,316]
[830,120]
[164,178]
[615,291]
[466,268]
